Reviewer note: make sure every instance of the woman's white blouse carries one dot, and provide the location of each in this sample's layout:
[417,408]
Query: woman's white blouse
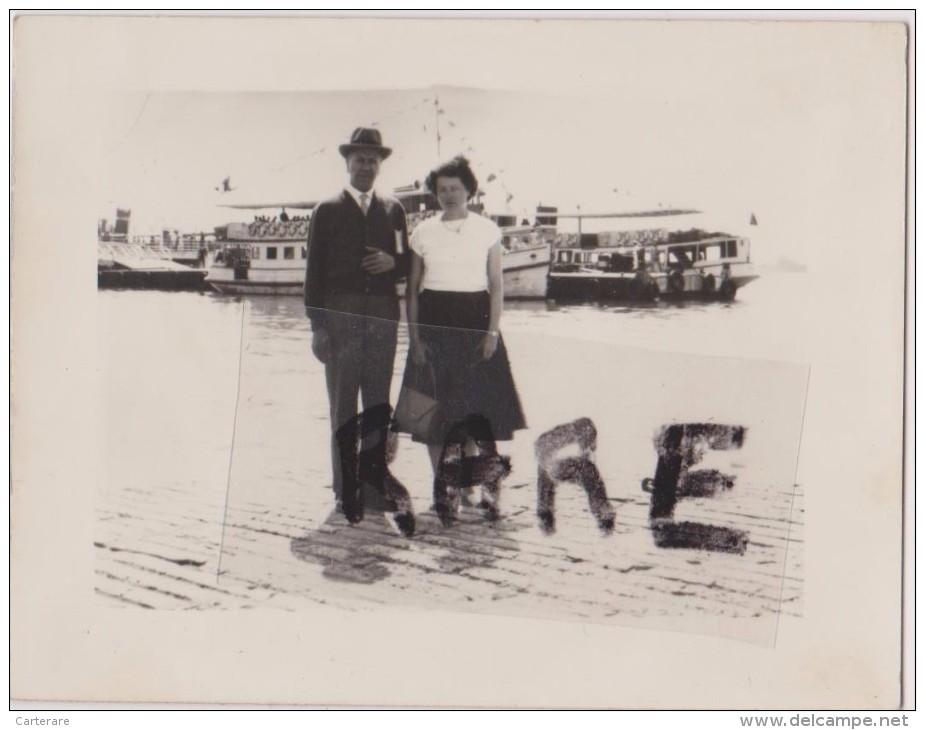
[455,261]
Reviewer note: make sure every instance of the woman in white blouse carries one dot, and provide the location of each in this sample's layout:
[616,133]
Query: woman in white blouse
[457,355]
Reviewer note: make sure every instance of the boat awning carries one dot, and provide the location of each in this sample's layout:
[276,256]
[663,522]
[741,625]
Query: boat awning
[298,205]
[659,212]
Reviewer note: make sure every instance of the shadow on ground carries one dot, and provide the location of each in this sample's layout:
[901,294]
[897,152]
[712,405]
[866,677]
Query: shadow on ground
[374,550]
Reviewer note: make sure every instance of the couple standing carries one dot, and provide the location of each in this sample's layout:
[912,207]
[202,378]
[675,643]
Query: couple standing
[358,249]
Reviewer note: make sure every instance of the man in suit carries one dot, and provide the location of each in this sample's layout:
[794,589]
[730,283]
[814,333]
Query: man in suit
[357,250]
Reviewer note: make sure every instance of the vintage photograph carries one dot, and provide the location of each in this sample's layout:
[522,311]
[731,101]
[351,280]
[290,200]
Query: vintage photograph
[534,324]
[518,319]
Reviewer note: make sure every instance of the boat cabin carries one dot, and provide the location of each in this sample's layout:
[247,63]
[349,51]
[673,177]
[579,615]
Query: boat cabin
[277,252]
[603,260]
[517,238]
[654,250]
[701,254]
[643,265]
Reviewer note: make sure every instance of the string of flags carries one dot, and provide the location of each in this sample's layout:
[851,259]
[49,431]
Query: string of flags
[290,163]
[427,103]
[465,145]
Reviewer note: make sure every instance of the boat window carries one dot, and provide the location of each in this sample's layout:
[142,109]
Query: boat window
[289,252]
[255,252]
[680,256]
[271,252]
[621,262]
[732,248]
[304,252]
[713,252]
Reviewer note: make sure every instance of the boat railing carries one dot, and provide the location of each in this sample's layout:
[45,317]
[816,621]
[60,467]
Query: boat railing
[188,246]
[278,229]
[157,252]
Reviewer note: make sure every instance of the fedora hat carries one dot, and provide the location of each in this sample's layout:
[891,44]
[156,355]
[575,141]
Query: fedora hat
[367,140]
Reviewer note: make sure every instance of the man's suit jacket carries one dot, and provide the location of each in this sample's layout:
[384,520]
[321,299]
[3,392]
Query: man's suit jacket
[337,239]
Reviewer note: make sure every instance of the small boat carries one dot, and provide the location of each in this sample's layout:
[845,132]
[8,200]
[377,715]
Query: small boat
[268,256]
[650,263]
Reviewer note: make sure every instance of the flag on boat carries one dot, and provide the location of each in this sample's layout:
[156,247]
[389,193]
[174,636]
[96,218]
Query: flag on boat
[753,221]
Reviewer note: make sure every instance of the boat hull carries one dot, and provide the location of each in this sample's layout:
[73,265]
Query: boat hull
[593,287]
[257,287]
[281,279]
[525,273]
[191,280]
[694,284]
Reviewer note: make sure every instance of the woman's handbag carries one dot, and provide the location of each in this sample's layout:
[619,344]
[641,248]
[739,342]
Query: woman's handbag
[417,408]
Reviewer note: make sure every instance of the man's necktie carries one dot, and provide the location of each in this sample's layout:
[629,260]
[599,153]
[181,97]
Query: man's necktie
[364,203]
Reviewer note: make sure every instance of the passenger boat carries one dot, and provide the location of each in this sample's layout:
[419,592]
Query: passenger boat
[268,256]
[646,264]
[262,257]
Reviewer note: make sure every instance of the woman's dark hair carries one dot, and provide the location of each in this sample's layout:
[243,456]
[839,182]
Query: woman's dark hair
[457,167]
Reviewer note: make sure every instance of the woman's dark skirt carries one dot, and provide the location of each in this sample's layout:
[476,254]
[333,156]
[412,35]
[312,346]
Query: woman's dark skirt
[453,325]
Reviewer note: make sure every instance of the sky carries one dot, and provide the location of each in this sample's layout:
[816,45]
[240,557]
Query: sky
[733,119]
[579,153]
